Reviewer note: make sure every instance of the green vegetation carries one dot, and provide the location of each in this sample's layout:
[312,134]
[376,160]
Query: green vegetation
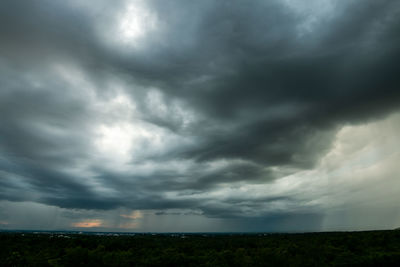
[375,248]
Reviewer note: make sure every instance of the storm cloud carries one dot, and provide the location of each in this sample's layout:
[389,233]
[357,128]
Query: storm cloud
[242,114]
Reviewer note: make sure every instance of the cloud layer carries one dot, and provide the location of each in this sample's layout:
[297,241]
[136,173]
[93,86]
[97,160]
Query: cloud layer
[223,110]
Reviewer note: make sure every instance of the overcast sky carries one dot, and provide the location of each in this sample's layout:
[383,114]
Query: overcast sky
[212,115]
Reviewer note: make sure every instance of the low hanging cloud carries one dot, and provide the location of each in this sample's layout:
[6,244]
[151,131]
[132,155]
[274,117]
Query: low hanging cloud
[217,107]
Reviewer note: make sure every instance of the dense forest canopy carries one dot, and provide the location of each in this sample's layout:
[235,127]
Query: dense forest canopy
[375,248]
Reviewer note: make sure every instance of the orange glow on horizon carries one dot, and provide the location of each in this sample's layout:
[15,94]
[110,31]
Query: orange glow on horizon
[88,223]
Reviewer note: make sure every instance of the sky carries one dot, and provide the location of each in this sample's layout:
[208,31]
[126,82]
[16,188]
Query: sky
[200,116]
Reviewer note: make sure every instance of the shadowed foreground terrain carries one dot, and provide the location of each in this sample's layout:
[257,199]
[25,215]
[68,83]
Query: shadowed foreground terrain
[374,248]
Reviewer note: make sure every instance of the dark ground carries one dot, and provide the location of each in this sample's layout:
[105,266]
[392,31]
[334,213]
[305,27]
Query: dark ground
[373,248]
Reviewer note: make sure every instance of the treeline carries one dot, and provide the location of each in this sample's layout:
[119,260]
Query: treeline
[375,248]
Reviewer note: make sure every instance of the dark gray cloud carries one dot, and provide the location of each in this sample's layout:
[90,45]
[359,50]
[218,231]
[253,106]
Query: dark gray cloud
[217,95]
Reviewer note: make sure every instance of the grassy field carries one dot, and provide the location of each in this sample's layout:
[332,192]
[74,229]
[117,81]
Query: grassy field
[372,248]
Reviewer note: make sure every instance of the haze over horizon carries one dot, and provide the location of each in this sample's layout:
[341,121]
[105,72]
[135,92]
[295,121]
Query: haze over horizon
[208,116]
